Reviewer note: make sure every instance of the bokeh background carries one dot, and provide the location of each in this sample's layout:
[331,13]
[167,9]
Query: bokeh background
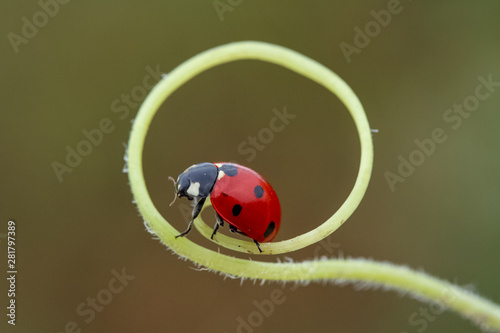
[72,231]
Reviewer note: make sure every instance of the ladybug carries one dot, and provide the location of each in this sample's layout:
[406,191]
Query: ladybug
[239,195]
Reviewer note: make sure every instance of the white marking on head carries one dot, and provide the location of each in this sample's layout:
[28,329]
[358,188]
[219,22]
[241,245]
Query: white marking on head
[194,189]
[219,164]
[220,175]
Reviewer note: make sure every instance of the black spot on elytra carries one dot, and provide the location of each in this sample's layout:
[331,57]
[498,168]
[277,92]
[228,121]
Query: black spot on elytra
[270,229]
[236,210]
[259,191]
[229,169]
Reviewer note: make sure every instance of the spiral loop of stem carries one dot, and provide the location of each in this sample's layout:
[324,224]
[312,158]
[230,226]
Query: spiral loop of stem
[481,311]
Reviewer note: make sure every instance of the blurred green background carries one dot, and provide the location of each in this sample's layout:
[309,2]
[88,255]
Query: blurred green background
[74,230]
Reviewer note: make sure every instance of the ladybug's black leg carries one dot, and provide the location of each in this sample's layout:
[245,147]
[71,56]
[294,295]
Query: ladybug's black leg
[219,223]
[196,212]
[232,228]
[258,245]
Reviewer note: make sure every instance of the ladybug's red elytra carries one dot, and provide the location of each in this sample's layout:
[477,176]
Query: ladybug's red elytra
[239,195]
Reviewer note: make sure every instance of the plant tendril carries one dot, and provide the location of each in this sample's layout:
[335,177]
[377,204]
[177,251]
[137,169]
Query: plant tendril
[479,310]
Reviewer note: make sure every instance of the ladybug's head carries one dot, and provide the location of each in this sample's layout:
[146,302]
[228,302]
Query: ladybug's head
[197,181]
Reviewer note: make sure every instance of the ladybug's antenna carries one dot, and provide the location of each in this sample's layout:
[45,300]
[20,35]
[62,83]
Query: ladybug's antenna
[175,190]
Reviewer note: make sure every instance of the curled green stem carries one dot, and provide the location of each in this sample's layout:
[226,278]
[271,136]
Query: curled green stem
[369,273]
